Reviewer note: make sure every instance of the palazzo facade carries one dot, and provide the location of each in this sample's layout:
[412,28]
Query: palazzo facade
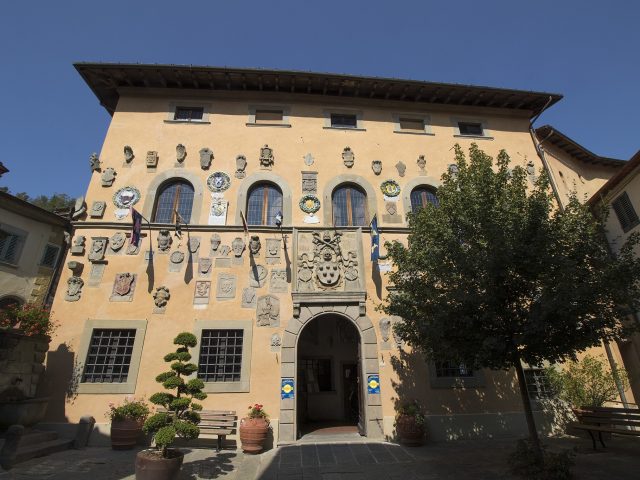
[285,315]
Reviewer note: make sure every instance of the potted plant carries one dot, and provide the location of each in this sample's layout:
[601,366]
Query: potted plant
[253,429]
[410,425]
[126,423]
[177,417]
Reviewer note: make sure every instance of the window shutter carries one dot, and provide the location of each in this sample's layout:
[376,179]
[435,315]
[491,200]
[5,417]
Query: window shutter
[625,212]
[9,248]
[49,256]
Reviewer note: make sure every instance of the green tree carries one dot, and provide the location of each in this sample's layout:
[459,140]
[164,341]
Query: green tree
[497,275]
[56,202]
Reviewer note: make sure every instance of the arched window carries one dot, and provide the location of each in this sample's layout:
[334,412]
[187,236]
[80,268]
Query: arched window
[263,204]
[174,196]
[349,206]
[421,196]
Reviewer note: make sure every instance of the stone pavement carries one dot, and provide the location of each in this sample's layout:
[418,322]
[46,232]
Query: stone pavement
[481,459]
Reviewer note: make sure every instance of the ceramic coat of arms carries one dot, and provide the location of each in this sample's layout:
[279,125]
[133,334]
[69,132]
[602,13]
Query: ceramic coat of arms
[126,197]
[390,188]
[218,182]
[309,204]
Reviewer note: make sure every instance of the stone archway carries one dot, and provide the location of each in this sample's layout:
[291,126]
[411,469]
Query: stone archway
[304,313]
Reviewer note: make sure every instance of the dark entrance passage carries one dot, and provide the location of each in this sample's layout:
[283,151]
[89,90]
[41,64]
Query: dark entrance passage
[329,384]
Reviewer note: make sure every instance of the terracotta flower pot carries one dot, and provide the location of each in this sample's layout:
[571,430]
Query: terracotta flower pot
[410,432]
[150,465]
[253,434]
[125,433]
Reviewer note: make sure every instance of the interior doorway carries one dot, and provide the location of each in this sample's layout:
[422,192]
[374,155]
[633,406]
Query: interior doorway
[329,393]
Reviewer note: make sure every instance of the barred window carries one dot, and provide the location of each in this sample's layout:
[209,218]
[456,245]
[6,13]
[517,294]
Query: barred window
[625,212]
[10,246]
[349,206]
[188,114]
[421,196]
[109,356]
[315,375]
[174,196]
[49,256]
[452,369]
[538,384]
[342,120]
[411,124]
[269,116]
[263,204]
[220,355]
[468,128]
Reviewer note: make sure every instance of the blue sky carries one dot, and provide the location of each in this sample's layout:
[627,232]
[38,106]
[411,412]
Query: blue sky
[51,122]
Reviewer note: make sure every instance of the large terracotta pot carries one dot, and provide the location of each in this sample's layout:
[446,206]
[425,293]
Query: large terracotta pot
[409,431]
[150,465]
[253,434]
[125,434]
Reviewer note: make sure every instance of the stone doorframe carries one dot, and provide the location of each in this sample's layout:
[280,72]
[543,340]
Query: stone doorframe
[353,309]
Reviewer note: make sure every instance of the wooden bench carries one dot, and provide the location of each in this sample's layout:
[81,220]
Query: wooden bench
[217,422]
[621,421]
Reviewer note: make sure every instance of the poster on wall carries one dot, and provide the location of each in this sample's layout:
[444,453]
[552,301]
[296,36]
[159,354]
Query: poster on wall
[373,383]
[287,390]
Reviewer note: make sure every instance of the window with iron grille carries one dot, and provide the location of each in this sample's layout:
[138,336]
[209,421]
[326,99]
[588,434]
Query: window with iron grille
[49,256]
[263,204]
[188,114]
[625,212]
[421,196]
[109,355]
[344,120]
[314,375]
[469,128]
[411,124]
[538,384]
[269,116]
[174,196]
[452,369]
[349,207]
[220,357]
[10,246]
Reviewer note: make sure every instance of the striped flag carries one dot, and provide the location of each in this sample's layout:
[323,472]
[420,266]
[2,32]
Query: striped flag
[375,240]
[136,228]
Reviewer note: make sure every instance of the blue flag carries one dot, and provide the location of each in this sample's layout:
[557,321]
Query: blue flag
[375,240]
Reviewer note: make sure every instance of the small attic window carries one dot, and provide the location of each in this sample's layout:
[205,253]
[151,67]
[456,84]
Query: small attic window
[472,129]
[189,114]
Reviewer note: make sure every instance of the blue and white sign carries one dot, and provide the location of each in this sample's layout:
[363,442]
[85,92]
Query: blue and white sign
[373,383]
[287,389]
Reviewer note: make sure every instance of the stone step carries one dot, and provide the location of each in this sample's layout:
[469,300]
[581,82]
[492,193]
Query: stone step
[41,449]
[37,436]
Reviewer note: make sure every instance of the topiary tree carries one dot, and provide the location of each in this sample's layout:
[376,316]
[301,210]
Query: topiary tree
[181,417]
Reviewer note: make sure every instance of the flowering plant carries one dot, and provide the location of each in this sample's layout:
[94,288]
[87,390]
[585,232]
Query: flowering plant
[30,319]
[411,410]
[129,410]
[257,411]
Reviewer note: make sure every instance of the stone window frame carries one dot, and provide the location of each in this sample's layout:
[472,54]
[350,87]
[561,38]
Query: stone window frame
[335,182]
[85,340]
[477,380]
[265,177]
[426,120]
[286,116]
[175,173]
[22,241]
[486,132]
[341,111]
[243,386]
[173,105]
[408,187]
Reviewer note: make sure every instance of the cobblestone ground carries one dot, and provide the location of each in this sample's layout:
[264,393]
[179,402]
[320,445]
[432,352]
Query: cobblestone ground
[339,461]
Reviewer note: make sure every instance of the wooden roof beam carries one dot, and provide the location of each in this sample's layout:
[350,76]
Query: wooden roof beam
[403,95]
[418,95]
[227,78]
[244,82]
[386,96]
[324,88]
[373,90]
[260,84]
[277,83]
[293,84]
[308,84]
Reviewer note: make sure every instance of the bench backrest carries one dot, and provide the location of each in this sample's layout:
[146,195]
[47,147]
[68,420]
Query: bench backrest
[598,416]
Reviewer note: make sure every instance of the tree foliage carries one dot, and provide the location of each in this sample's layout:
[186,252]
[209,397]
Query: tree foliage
[181,417]
[57,202]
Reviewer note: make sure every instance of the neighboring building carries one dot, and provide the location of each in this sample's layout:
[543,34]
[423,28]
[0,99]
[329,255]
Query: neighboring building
[286,316]
[32,245]
[621,196]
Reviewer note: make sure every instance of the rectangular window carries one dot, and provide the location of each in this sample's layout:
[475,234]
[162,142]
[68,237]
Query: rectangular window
[188,114]
[10,246]
[109,355]
[49,256]
[625,212]
[537,383]
[450,369]
[220,357]
[269,116]
[469,128]
[411,124]
[344,120]
[315,374]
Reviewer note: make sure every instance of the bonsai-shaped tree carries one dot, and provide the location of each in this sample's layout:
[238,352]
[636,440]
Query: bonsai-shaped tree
[181,417]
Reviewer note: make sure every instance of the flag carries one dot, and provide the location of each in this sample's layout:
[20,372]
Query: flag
[137,227]
[244,224]
[375,240]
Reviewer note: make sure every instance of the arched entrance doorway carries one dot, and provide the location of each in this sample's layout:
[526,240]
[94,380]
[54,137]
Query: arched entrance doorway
[329,372]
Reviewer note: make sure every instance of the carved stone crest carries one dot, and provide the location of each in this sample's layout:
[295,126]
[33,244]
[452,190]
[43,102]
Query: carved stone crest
[215,244]
[116,242]
[376,166]
[308,159]
[305,273]
[309,182]
[422,162]
[152,159]
[206,156]
[108,177]
[94,162]
[218,182]
[126,197]
[268,311]
[74,289]
[226,286]
[181,153]
[123,286]
[79,208]
[204,265]
[164,240]
[241,165]
[249,297]
[275,340]
[328,259]
[266,157]
[254,245]
[177,257]
[531,171]
[98,249]
[278,281]
[453,170]
[385,329]
[391,207]
[78,245]
[257,276]
[348,157]
[401,167]
[97,209]
[238,247]
[272,253]
[128,154]
[202,292]
[161,297]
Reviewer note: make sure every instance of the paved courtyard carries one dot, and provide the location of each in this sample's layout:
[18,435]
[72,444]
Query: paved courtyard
[339,461]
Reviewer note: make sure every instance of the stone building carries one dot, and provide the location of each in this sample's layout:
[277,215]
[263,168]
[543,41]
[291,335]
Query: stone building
[286,314]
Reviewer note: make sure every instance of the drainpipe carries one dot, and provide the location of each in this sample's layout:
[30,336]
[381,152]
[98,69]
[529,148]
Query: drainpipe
[540,151]
[615,373]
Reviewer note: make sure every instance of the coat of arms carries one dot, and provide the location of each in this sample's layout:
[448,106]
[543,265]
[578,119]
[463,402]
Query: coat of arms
[328,259]
[123,283]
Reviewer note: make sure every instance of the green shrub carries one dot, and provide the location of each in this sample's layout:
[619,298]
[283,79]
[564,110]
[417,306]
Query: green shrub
[181,418]
[29,319]
[526,463]
[129,410]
